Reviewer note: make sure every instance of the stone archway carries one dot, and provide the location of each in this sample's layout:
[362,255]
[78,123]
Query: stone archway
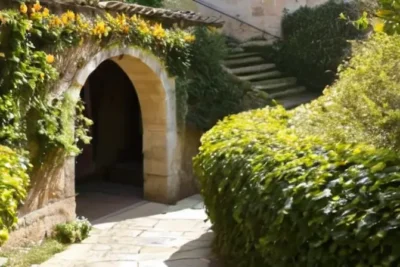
[156,94]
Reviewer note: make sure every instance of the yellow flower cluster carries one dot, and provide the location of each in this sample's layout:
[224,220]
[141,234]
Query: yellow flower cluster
[68,17]
[189,38]
[55,22]
[50,59]
[23,8]
[36,7]
[143,28]
[119,23]
[122,23]
[158,31]
[100,29]
[102,26]
[37,11]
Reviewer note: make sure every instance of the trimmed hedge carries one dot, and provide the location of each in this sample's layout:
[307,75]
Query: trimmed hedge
[363,105]
[14,182]
[276,199]
[315,42]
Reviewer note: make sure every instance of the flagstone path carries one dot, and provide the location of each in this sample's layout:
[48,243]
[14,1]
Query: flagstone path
[146,235]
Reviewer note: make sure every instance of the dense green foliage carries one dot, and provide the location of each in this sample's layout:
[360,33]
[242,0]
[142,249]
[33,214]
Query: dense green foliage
[277,199]
[73,232]
[213,93]
[14,182]
[315,42]
[153,3]
[383,15]
[364,103]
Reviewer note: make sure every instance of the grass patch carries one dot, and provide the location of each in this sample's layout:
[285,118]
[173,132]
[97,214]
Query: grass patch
[32,254]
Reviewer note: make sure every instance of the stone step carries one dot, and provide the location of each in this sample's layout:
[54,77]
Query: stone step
[261,76]
[243,61]
[287,80]
[257,38]
[241,55]
[274,87]
[236,50]
[287,92]
[252,69]
[255,43]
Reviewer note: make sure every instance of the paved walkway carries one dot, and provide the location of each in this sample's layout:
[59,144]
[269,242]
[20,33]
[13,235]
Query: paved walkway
[145,235]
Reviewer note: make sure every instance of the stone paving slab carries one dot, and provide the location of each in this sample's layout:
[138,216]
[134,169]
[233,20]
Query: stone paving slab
[148,235]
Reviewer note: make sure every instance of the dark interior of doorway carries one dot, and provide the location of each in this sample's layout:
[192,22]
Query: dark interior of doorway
[109,172]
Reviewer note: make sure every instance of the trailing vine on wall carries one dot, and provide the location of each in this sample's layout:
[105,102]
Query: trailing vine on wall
[30,40]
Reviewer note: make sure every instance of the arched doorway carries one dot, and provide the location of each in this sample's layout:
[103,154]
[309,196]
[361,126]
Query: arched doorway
[162,141]
[109,172]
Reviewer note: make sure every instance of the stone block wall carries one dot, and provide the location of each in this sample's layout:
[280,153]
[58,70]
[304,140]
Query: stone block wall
[264,14]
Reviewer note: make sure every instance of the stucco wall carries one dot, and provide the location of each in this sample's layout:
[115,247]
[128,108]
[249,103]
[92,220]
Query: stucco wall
[264,14]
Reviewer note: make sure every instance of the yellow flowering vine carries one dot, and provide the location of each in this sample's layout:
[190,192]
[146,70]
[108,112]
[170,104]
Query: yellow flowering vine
[158,31]
[130,30]
[23,8]
[50,59]
[37,7]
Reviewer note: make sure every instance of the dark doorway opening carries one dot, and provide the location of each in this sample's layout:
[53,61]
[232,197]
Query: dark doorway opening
[109,172]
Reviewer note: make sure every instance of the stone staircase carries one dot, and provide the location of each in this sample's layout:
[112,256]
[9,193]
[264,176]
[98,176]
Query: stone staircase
[264,76]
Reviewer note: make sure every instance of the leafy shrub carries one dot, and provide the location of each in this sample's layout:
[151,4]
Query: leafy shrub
[212,92]
[73,232]
[277,199]
[14,181]
[315,42]
[364,103]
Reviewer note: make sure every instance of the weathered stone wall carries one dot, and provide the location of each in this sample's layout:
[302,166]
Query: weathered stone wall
[191,143]
[40,223]
[264,14]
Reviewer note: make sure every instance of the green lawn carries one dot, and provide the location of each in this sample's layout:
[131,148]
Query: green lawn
[33,254]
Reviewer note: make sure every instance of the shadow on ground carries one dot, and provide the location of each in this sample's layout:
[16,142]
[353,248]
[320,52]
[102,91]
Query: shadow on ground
[196,253]
[145,209]
[99,199]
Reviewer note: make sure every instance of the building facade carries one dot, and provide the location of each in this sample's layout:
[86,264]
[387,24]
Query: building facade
[264,16]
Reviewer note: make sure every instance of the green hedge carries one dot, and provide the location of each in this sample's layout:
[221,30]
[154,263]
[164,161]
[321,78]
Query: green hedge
[363,105]
[14,182]
[315,42]
[276,199]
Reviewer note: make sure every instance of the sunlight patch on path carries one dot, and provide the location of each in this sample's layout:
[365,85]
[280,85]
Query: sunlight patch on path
[146,235]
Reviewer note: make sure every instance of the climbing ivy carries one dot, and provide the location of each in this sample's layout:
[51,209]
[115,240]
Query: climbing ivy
[14,181]
[32,40]
[27,71]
